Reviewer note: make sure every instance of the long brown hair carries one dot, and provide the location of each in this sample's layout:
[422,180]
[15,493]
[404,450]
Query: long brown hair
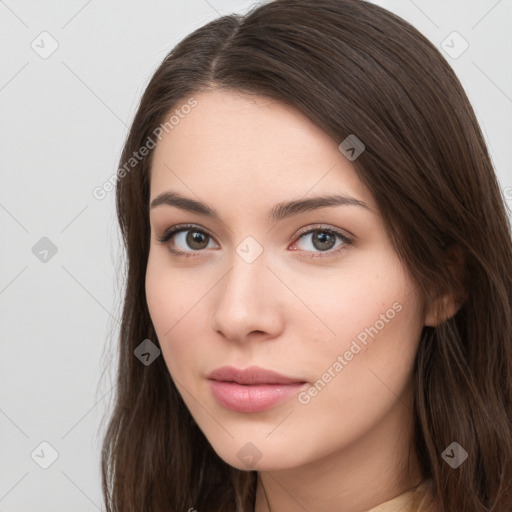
[352,68]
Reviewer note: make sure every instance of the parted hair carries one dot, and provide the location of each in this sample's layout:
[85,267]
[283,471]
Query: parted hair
[351,67]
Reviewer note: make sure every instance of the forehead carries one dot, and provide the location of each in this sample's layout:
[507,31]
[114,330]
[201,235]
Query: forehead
[243,147]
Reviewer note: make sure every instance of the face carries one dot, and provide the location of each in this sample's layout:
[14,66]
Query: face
[315,293]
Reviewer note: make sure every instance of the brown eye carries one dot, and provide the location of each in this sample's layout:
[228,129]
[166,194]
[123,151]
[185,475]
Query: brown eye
[196,240]
[187,238]
[322,240]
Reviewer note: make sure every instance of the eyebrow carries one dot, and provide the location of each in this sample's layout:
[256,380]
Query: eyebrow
[278,212]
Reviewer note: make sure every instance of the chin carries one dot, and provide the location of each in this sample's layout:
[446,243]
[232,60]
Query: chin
[258,456]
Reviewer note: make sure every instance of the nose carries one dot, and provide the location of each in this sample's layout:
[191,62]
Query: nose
[247,304]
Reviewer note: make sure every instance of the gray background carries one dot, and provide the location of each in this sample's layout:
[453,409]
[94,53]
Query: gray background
[63,121]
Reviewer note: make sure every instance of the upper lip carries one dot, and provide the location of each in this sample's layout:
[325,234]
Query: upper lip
[251,375]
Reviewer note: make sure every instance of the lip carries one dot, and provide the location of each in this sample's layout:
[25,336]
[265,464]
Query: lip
[252,389]
[250,376]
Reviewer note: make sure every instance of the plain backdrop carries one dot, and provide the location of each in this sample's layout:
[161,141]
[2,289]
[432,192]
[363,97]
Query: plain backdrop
[64,118]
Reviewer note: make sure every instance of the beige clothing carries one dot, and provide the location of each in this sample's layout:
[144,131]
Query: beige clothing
[417,499]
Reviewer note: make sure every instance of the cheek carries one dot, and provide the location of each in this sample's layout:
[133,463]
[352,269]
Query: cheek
[159,295]
[375,294]
[354,395]
[176,308]
[375,321]
[169,292]
[166,298]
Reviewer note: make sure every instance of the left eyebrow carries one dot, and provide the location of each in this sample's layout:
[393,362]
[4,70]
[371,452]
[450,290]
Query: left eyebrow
[278,212]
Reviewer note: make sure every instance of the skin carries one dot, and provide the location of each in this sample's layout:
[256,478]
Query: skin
[346,450]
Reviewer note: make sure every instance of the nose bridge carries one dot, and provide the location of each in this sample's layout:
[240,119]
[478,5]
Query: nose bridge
[243,303]
[246,280]
[249,260]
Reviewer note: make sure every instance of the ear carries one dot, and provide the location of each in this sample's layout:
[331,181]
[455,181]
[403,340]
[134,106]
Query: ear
[444,308]
[446,305]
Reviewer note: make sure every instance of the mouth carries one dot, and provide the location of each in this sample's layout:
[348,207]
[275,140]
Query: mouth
[252,389]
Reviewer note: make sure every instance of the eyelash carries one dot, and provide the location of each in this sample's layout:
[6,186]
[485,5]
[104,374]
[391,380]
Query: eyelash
[166,236]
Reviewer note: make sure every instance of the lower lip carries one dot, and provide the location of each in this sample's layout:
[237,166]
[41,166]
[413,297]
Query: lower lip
[254,398]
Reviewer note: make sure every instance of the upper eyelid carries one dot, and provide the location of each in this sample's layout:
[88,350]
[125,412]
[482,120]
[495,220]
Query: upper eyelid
[325,227]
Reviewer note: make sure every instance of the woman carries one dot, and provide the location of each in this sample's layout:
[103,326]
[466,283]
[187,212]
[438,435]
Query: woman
[319,280]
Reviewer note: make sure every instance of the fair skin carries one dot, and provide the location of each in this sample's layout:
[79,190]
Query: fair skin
[346,449]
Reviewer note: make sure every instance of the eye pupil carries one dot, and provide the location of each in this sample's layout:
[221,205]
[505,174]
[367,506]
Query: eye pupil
[194,237]
[325,239]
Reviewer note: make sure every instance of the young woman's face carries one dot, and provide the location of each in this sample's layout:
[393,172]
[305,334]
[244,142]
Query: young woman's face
[316,294]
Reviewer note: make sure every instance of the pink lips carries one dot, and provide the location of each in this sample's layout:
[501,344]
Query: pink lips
[253,389]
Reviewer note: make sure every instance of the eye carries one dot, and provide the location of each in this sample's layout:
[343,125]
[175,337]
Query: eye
[323,239]
[186,235]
